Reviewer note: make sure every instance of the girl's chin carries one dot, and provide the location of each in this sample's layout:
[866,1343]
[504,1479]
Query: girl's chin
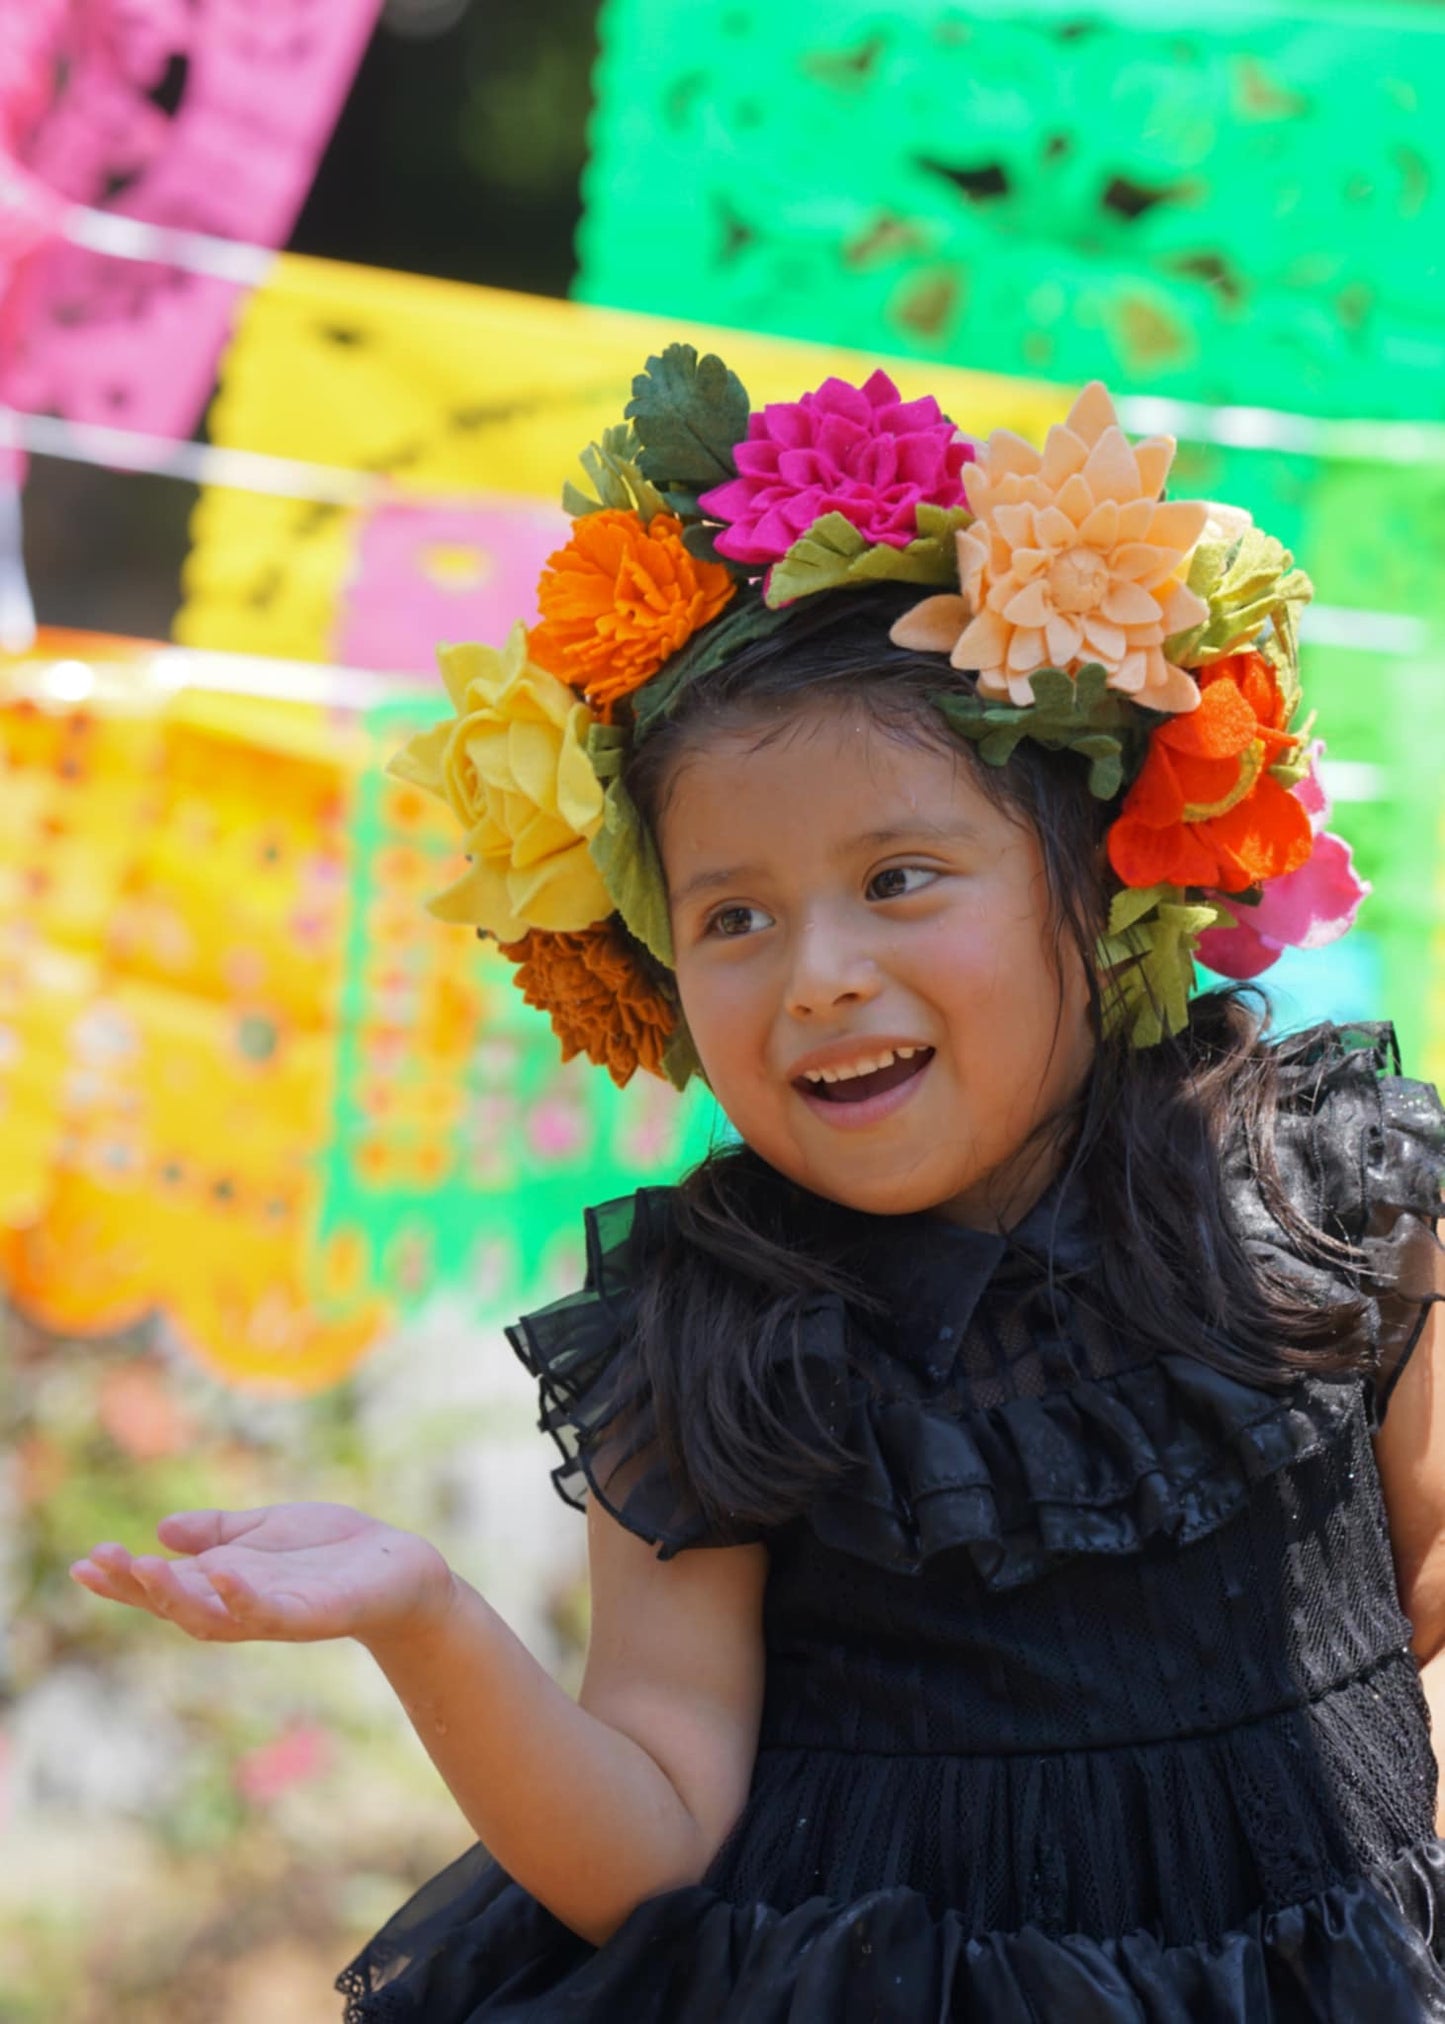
[883,1195]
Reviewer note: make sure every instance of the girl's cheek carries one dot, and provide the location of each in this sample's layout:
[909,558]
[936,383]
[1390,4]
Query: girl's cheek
[715,1004]
[965,961]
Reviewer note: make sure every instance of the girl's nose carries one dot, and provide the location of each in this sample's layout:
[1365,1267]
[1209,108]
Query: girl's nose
[829,969]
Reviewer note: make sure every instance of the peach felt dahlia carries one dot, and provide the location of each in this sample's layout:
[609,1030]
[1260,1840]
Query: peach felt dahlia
[1073,558]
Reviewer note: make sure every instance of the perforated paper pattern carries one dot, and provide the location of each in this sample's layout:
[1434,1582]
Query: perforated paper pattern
[1229,202]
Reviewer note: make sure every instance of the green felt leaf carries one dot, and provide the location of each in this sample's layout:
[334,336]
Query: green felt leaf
[1149,947]
[1134,903]
[690,414]
[743,621]
[941,523]
[624,852]
[833,554]
[819,560]
[1280,641]
[617,481]
[680,1057]
[1249,583]
[1295,764]
[607,747]
[699,538]
[1074,713]
[997,747]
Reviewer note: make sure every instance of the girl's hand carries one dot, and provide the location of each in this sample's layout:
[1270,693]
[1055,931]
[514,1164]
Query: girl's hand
[290,1572]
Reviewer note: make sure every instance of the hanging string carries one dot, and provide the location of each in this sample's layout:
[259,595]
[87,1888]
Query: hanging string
[17,607]
[123,238]
[197,463]
[1231,427]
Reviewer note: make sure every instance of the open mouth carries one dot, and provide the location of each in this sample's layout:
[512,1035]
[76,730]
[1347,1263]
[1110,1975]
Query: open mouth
[877,1082]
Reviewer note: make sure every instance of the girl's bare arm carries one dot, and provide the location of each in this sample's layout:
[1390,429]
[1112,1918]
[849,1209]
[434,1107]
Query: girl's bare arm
[592,1805]
[1410,1451]
[596,1804]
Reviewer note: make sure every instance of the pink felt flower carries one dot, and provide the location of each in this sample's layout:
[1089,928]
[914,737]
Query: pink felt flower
[863,452]
[1305,909]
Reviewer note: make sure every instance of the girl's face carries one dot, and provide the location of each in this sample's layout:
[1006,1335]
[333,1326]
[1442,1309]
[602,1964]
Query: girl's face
[849,905]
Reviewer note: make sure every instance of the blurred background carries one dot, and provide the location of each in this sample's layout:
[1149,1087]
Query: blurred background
[306,307]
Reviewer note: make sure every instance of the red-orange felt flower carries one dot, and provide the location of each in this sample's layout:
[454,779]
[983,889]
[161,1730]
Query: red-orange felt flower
[619,600]
[1205,810]
[597,996]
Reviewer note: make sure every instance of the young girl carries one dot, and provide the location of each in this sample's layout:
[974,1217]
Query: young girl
[1023,1369]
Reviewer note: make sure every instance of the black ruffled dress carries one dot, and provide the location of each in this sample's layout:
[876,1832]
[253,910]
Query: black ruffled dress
[1090,1700]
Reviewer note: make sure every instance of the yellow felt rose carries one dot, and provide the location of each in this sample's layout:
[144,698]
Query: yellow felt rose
[513,769]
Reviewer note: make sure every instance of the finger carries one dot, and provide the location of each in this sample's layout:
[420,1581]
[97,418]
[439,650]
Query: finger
[168,1589]
[278,1615]
[196,1531]
[111,1580]
[96,1579]
[184,1598]
[106,1553]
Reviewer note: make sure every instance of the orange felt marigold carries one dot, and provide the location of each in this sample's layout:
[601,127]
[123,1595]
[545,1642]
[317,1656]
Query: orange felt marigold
[619,600]
[1205,810]
[597,997]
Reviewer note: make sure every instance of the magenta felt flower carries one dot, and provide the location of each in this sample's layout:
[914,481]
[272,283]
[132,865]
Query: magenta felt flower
[1304,909]
[863,452]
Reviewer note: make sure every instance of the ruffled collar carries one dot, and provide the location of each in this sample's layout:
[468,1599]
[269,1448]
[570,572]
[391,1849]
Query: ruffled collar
[932,1273]
[1083,1451]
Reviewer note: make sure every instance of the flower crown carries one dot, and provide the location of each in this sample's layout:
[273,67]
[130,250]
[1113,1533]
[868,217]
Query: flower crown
[1157,638]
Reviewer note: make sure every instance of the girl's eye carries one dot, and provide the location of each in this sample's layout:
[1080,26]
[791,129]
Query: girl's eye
[733,922]
[893,882]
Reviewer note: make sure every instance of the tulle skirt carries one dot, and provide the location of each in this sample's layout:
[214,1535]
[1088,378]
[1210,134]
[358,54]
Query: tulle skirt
[472,1947]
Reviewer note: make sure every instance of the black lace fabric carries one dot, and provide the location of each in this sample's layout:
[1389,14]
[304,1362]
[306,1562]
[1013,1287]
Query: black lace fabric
[1088,1692]
[1360,1150]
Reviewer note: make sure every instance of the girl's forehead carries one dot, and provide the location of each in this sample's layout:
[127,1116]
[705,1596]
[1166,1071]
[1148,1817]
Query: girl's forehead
[820,790]
[835,762]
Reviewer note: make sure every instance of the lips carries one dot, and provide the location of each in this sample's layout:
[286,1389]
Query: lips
[859,1088]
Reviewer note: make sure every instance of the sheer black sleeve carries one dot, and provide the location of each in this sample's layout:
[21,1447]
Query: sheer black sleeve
[596,1397]
[1361,1152]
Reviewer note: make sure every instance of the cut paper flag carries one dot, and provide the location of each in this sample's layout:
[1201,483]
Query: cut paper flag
[450,391]
[245,1080]
[30,211]
[1227,204]
[209,118]
[421,574]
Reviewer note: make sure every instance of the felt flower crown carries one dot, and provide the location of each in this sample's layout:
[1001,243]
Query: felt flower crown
[1156,638]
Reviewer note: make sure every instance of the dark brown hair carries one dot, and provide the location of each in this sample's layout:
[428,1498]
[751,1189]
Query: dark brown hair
[726,1298]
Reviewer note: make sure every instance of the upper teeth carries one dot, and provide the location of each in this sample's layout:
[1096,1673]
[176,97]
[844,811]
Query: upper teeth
[866,1067]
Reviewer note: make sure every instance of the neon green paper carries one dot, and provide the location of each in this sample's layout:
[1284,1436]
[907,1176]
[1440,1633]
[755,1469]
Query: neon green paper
[492,1146]
[1227,203]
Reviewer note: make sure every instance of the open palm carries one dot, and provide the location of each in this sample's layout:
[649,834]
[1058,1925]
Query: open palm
[292,1572]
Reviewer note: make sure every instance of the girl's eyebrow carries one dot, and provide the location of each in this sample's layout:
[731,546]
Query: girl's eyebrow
[871,839]
[953,831]
[708,881]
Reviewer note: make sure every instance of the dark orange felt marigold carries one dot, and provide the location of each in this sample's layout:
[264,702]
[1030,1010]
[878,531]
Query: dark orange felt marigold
[597,996]
[619,600]
[1205,810]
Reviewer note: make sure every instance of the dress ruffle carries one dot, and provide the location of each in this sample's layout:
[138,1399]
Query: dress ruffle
[480,1950]
[1361,1153]
[1167,1448]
